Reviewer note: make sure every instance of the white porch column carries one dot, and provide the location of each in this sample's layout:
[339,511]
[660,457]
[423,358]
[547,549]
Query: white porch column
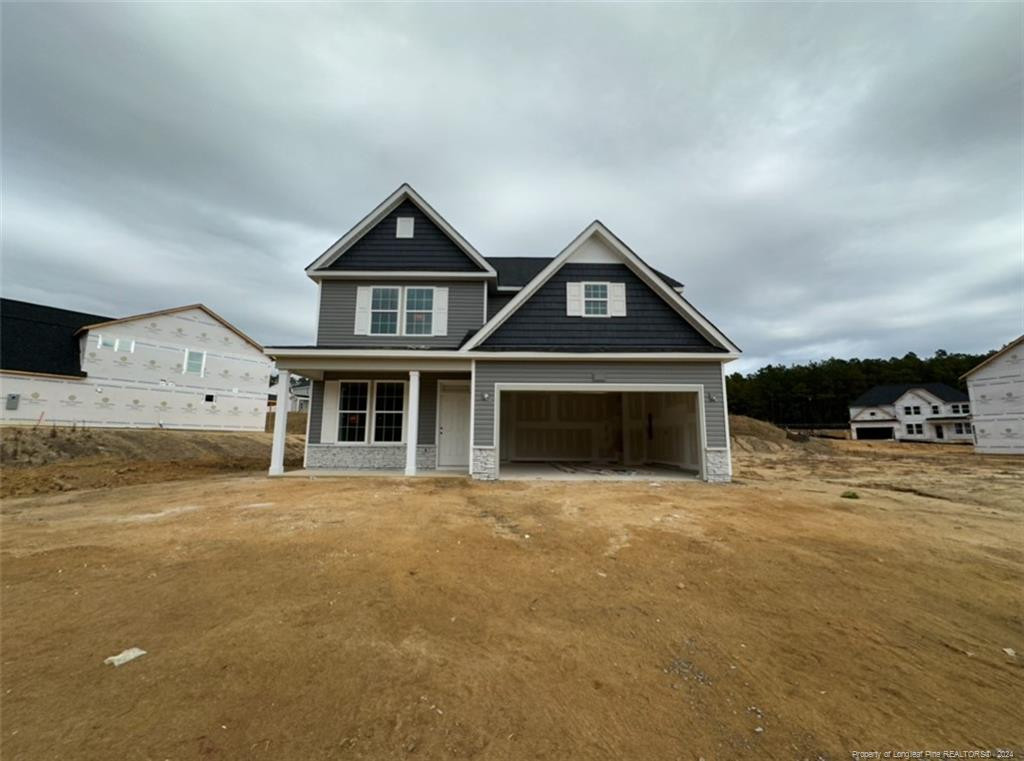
[412,424]
[280,423]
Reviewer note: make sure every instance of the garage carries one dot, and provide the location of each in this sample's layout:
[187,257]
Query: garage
[618,433]
[875,432]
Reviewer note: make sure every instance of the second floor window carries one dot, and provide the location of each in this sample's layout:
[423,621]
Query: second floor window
[419,311]
[384,307]
[401,310]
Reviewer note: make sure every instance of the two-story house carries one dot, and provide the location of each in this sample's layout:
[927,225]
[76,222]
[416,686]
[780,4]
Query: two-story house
[996,388]
[176,368]
[912,412]
[429,355]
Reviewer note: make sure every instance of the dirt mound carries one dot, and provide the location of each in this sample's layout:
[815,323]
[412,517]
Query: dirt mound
[47,459]
[751,435]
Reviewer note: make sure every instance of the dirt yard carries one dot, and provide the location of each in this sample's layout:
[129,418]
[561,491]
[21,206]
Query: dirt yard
[439,618]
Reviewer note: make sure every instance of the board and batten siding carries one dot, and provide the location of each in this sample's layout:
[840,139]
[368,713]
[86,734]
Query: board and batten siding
[427,429]
[337,320]
[708,374]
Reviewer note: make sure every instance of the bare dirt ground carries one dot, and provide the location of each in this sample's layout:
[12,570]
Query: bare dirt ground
[439,618]
[48,459]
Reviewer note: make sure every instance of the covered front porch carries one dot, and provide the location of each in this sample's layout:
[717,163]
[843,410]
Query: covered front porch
[381,417]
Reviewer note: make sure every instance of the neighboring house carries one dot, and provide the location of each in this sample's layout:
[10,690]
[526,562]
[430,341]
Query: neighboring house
[298,398]
[176,368]
[912,412]
[429,355]
[996,387]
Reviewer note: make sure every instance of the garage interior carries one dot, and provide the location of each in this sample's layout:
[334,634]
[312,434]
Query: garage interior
[875,432]
[592,434]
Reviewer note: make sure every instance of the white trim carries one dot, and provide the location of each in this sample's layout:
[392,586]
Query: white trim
[386,207]
[397,275]
[411,421]
[600,388]
[405,227]
[725,412]
[681,305]
[662,356]
[319,306]
[472,413]
[509,288]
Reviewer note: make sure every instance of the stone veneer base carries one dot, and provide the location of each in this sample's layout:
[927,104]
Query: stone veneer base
[377,457]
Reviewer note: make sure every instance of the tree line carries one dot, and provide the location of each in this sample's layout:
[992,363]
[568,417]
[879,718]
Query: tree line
[819,393]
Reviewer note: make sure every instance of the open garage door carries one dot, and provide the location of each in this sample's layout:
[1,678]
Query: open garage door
[875,432]
[606,430]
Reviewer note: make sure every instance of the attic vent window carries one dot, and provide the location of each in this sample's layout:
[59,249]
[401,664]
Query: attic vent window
[404,228]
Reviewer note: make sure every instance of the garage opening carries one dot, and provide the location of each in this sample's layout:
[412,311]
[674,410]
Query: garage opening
[593,434]
[879,432]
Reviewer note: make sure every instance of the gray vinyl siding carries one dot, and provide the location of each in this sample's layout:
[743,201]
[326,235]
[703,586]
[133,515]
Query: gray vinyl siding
[709,374]
[650,324]
[428,400]
[338,316]
[316,411]
[430,249]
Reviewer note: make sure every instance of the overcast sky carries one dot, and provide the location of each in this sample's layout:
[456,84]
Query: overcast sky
[828,180]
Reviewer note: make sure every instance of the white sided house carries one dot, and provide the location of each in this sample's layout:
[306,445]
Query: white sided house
[177,368]
[996,388]
[431,356]
[912,412]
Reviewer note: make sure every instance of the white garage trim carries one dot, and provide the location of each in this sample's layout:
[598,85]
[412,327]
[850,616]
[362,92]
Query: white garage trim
[602,388]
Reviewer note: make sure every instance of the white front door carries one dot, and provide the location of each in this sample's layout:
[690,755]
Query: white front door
[453,425]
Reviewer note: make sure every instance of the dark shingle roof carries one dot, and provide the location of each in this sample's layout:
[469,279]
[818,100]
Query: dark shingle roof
[890,393]
[41,339]
[517,271]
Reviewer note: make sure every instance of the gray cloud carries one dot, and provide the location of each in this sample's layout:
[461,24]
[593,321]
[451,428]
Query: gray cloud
[830,179]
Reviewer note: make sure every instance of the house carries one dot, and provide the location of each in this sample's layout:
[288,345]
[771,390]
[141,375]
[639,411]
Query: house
[176,368]
[912,412]
[429,355]
[298,397]
[996,388]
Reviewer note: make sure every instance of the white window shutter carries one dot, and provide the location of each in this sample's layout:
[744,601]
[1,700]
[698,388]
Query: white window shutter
[617,299]
[440,319]
[363,295]
[329,416]
[574,299]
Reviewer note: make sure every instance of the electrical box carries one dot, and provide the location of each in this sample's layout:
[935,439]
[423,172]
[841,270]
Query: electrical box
[12,401]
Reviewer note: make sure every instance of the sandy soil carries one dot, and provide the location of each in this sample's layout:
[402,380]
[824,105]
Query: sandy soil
[439,618]
[48,459]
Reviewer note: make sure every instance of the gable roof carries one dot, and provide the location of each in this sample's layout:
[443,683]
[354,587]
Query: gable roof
[404,193]
[634,262]
[41,339]
[517,271]
[1012,345]
[888,394]
[202,307]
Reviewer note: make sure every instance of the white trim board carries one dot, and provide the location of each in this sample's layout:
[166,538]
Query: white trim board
[389,204]
[634,262]
[458,354]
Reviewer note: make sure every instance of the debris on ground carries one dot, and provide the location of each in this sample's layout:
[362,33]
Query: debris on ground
[125,656]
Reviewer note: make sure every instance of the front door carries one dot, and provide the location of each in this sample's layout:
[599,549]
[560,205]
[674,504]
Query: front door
[938,432]
[453,425]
